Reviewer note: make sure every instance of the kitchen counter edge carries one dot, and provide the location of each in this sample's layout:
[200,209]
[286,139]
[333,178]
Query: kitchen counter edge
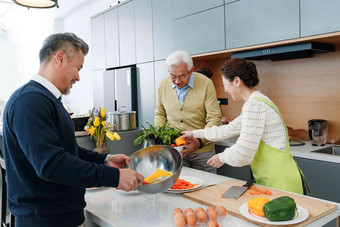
[304,151]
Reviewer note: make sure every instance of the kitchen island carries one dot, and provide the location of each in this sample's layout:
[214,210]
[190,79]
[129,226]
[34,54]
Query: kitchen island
[109,207]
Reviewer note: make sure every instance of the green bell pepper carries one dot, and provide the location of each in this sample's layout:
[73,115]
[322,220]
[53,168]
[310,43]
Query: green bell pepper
[280,209]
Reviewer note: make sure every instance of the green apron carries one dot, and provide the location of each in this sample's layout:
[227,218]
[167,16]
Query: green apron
[276,168]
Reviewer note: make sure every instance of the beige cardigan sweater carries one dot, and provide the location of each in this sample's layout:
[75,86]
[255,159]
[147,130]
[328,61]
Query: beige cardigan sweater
[199,110]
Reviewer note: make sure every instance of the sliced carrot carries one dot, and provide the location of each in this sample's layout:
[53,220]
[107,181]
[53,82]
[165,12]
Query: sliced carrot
[183,184]
[267,192]
[254,193]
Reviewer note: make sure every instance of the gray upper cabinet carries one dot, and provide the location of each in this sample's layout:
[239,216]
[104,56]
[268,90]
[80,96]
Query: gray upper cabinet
[111,38]
[146,93]
[163,28]
[127,47]
[161,72]
[318,17]
[143,23]
[98,87]
[98,42]
[251,22]
[202,32]
[186,7]
[229,1]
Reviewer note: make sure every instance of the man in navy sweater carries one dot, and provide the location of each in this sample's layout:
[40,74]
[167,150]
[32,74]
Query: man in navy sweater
[47,172]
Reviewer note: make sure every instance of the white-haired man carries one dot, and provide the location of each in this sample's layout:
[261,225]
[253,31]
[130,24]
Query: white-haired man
[187,100]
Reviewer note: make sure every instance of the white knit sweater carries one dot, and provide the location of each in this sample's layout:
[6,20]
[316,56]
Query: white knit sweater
[258,122]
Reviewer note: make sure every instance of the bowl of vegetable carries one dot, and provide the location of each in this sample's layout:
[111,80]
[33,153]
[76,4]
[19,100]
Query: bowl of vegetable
[179,148]
[179,144]
[161,166]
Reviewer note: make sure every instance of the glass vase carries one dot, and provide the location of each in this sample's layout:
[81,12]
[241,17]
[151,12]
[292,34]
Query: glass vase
[102,148]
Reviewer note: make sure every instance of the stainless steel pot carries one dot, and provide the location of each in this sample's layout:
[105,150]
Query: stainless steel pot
[124,120]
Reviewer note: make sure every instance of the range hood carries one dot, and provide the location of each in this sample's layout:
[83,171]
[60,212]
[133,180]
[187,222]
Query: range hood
[300,50]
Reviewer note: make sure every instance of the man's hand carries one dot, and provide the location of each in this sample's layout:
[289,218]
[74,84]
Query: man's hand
[191,146]
[118,160]
[129,180]
[215,161]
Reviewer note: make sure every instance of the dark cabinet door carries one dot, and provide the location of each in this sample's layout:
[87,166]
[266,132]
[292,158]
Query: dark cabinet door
[251,22]
[241,173]
[323,180]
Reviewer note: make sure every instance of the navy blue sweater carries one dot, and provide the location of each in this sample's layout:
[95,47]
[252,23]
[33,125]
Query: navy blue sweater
[47,171]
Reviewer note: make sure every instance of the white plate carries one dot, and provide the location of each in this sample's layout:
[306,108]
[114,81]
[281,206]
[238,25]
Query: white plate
[300,215]
[192,180]
[128,193]
[179,149]
[94,188]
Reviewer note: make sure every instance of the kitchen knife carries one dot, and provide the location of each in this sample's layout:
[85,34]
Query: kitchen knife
[236,191]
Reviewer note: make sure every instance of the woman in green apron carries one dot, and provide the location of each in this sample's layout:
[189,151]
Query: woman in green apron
[263,141]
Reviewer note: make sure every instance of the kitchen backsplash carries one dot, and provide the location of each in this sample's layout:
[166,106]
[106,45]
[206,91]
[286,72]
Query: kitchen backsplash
[303,89]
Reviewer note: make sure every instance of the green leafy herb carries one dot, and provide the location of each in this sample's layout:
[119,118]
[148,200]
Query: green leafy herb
[160,134]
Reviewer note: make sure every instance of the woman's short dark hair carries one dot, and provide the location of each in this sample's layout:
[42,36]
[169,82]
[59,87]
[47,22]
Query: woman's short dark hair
[245,70]
[67,42]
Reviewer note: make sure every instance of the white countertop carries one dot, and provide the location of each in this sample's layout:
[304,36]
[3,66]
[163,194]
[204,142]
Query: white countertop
[304,151]
[107,207]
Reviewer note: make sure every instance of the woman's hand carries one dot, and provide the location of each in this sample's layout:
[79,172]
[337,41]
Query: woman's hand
[215,161]
[118,160]
[186,134]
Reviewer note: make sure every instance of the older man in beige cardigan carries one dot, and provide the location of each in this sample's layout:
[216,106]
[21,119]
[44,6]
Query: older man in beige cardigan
[187,101]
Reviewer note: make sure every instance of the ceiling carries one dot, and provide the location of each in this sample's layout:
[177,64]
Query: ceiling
[65,6]
[5,5]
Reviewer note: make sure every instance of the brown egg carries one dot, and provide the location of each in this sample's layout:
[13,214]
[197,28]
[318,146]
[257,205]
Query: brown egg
[191,220]
[222,210]
[213,223]
[179,220]
[189,210]
[178,214]
[210,208]
[201,216]
[177,210]
[199,209]
[190,213]
[212,214]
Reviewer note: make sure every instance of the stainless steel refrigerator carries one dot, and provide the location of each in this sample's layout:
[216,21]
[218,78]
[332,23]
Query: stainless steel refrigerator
[116,88]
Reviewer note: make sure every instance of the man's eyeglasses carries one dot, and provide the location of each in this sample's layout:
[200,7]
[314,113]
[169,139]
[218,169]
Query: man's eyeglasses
[181,77]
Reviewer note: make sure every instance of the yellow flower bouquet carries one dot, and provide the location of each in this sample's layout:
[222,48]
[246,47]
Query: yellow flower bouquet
[99,129]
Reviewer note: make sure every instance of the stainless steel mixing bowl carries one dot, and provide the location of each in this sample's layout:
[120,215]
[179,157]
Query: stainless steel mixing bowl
[147,160]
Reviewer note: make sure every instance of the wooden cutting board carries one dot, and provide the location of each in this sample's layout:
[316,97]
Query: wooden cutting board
[212,196]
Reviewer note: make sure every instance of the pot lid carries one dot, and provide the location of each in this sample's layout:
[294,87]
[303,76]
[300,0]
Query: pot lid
[122,110]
